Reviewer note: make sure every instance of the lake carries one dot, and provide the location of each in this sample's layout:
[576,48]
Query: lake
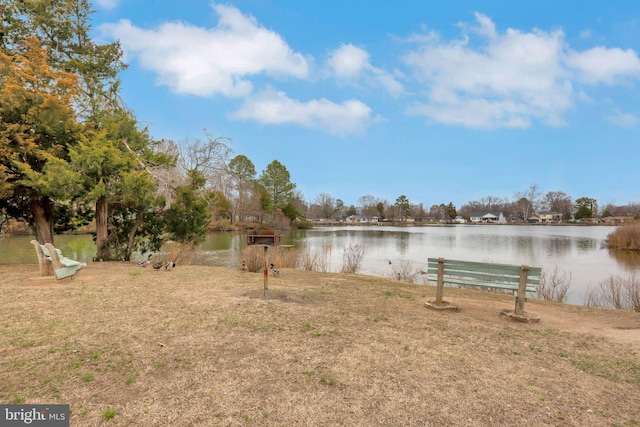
[576,250]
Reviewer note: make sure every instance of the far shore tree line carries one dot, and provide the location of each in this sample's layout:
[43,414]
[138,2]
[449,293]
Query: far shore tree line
[72,154]
[521,208]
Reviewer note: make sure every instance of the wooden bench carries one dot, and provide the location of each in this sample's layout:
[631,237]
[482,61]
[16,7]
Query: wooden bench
[515,278]
[52,262]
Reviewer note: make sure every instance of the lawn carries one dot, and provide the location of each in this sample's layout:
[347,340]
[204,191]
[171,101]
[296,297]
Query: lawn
[202,346]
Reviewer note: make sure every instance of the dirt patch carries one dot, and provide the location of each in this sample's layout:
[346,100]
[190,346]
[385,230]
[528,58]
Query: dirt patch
[203,346]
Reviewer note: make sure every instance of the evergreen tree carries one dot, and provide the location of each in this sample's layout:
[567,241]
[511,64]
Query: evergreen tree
[37,128]
[276,181]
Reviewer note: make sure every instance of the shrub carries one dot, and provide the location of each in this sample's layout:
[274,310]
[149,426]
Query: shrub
[405,271]
[554,286]
[616,292]
[624,237]
[352,258]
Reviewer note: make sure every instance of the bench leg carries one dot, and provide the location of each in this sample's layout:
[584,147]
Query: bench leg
[440,284]
[522,290]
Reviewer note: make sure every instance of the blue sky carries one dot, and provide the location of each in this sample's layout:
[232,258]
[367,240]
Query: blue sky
[441,101]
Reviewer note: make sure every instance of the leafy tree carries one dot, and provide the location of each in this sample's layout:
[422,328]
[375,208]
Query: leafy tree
[38,126]
[113,162]
[276,182]
[188,217]
[403,205]
[291,212]
[586,207]
[63,26]
[219,204]
[450,212]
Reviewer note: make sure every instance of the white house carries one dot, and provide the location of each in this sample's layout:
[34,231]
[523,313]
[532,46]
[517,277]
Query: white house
[488,218]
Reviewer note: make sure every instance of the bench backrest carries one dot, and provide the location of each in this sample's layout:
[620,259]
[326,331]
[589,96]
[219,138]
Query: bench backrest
[506,274]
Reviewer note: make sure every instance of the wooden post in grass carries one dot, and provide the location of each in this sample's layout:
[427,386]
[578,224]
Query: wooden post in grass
[265,238]
[265,267]
[440,283]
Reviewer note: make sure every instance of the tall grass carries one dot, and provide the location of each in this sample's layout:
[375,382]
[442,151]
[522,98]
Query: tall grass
[616,292]
[316,260]
[183,254]
[554,286]
[625,237]
[281,257]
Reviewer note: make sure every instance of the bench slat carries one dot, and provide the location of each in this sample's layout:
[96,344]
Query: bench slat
[463,282]
[480,274]
[472,266]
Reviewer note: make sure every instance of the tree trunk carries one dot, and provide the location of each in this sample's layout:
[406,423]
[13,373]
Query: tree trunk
[102,211]
[132,233]
[42,211]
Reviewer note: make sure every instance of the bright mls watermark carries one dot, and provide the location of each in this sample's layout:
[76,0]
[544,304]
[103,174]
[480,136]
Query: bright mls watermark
[34,415]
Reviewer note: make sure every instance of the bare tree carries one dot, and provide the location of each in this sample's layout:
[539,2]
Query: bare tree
[326,205]
[557,201]
[528,201]
[209,158]
[368,205]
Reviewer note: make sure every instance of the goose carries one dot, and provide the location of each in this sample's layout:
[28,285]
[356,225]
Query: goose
[274,270]
[145,262]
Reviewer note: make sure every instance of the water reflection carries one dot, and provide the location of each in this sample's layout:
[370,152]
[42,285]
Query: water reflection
[627,259]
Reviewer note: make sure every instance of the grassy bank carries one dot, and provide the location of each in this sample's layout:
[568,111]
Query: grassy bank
[201,346]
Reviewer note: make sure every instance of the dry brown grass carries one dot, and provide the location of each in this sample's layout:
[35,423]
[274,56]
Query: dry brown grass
[201,346]
[625,237]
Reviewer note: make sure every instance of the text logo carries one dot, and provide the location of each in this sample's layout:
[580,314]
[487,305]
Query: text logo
[34,415]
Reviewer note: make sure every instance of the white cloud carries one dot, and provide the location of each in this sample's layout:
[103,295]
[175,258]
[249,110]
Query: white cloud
[350,64]
[509,79]
[625,120]
[107,4]
[602,65]
[208,61]
[272,107]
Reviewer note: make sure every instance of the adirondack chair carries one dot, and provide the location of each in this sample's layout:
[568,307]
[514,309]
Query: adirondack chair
[44,263]
[51,259]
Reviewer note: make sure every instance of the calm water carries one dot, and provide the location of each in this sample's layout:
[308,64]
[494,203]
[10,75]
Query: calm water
[573,249]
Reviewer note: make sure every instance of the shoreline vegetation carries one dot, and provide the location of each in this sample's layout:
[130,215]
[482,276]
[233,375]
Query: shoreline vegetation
[202,345]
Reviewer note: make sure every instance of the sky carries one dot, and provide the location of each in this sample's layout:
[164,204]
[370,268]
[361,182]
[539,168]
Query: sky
[439,101]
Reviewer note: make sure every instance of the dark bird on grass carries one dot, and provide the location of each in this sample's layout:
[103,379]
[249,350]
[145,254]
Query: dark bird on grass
[170,265]
[158,265]
[145,262]
[274,270]
[243,267]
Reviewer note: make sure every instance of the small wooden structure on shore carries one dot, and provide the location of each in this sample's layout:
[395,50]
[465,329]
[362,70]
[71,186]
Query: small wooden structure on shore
[264,238]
